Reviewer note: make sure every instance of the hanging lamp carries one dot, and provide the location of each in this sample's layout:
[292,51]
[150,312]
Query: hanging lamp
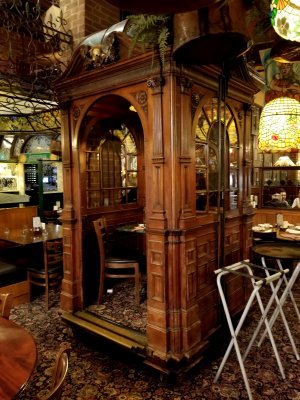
[279,126]
[285,18]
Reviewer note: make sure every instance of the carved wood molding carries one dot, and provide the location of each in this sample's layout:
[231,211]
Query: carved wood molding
[185,160]
[142,99]
[158,160]
[67,164]
[156,83]
[185,84]
[196,98]
[247,163]
[76,110]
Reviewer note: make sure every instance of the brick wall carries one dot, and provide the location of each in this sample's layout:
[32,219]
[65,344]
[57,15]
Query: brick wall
[85,17]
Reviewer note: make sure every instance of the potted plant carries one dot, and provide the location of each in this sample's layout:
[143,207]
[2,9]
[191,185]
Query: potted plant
[149,32]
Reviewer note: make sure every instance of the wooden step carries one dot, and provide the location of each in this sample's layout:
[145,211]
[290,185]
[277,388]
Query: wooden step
[125,337]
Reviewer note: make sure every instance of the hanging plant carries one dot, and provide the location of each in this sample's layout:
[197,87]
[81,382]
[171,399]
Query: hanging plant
[149,32]
[258,19]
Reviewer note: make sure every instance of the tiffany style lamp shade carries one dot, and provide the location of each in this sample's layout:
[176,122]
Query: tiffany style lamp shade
[279,126]
[285,18]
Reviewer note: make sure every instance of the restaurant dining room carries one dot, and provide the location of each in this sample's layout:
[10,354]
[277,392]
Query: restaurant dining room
[149,200]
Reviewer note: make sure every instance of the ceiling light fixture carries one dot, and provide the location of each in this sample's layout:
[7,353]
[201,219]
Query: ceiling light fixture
[279,126]
[285,18]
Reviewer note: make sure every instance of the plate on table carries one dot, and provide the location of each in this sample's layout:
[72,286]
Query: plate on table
[262,228]
[266,226]
[293,231]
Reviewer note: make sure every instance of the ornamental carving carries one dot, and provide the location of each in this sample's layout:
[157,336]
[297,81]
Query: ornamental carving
[156,83]
[76,113]
[142,99]
[196,97]
[185,84]
[101,54]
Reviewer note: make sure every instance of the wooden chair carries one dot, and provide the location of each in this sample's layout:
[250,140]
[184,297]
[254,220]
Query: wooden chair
[114,267]
[51,272]
[59,374]
[6,302]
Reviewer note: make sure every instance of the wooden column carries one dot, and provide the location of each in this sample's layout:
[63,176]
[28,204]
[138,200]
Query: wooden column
[71,296]
[173,315]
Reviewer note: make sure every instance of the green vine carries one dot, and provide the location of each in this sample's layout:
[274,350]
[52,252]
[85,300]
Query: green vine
[149,31]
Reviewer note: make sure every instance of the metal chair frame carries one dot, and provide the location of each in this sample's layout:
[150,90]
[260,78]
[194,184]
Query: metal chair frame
[258,283]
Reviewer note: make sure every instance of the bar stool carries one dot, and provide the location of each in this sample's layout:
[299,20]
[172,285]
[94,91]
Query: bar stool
[258,283]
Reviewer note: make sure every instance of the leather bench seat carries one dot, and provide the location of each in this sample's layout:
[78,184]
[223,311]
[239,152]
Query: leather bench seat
[10,273]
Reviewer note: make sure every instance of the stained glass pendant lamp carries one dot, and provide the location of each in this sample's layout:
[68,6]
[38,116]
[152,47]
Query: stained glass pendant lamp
[285,18]
[279,126]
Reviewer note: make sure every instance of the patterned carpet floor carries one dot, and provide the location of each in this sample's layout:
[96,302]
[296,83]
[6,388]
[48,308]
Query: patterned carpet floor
[100,370]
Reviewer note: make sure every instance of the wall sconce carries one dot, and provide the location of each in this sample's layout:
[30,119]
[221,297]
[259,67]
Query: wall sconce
[279,126]
[285,18]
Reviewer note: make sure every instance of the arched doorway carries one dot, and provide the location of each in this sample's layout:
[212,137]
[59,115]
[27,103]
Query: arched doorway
[112,186]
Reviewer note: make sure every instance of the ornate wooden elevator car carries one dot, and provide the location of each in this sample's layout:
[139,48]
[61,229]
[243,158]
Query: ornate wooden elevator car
[188,158]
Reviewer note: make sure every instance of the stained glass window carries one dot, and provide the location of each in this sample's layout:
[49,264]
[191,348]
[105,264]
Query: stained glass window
[207,158]
[111,168]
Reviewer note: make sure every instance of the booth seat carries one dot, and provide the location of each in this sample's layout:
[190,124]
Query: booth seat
[13,280]
[13,273]
[10,273]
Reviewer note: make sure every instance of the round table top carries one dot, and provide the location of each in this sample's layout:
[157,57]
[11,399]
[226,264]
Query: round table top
[18,356]
[283,251]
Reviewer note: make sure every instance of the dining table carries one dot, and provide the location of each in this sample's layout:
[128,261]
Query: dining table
[25,235]
[18,357]
[132,228]
[135,239]
[24,245]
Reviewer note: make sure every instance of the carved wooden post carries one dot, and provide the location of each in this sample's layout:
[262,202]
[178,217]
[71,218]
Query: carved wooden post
[70,293]
[173,322]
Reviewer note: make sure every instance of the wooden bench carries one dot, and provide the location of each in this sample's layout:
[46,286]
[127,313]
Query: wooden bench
[13,275]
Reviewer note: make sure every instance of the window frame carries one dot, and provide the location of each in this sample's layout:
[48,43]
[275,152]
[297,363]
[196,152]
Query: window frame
[96,193]
[208,192]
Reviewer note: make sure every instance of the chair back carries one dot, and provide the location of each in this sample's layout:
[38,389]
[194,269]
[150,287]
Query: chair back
[59,373]
[50,273]
[101,233]
[53,253]
[114,266]
[6,302]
